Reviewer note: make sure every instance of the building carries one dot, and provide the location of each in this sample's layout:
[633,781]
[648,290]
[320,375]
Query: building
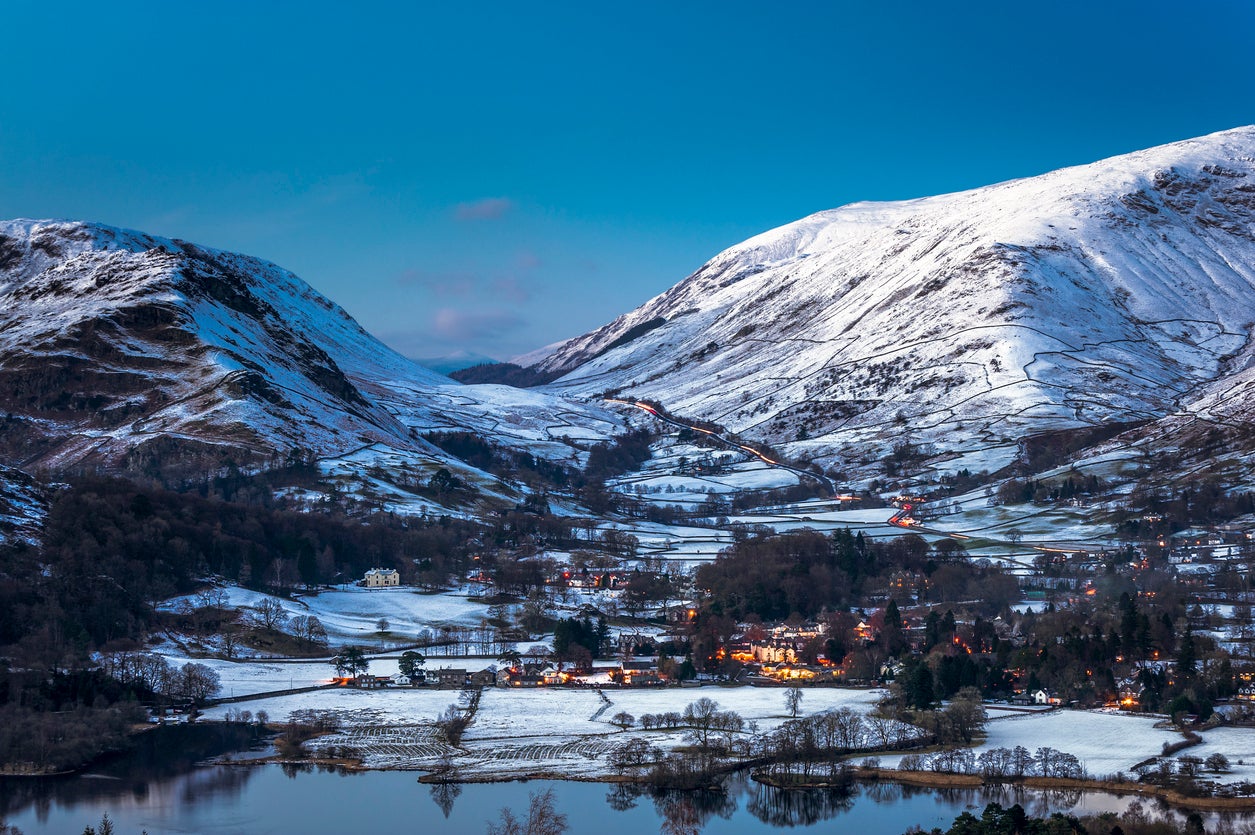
[378,578]
[482,678]
[451,678]
[370,682]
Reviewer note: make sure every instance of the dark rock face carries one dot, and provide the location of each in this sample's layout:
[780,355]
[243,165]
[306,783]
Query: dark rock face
[120,350]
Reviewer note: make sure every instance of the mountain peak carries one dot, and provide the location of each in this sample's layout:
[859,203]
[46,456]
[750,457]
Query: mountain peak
[1113,291]
[120,339]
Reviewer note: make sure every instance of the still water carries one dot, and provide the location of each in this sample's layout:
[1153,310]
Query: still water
[158,792]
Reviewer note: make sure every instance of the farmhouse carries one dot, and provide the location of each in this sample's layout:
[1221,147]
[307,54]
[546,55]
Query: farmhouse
[378,578]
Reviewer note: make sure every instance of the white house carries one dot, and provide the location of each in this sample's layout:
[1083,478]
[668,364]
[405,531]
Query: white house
[378,578]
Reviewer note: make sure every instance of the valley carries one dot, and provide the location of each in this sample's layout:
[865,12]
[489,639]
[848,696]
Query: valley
[894,490]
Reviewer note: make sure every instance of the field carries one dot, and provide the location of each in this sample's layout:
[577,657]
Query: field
[350,614]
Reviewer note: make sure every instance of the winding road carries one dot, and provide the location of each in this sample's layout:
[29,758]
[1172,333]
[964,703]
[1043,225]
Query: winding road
[733,444]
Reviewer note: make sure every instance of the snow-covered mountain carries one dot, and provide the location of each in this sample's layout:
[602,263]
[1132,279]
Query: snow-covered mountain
[124,349]
[1123,290]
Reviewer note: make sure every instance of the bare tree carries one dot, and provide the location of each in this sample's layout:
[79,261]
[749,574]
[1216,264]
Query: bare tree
[309,629]
[965,714]
[1217,762]
[269,614]
[196,682]
[1020,762]
[701,717]
[213,597]
[793,700]
[849,727]
[882,729]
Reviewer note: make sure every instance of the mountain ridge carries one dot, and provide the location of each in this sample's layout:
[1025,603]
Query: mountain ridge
[129,351]
[1114,291]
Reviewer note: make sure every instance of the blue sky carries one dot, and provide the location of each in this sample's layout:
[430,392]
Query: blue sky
[493,177]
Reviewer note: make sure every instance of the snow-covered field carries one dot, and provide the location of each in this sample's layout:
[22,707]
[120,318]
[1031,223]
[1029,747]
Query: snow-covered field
[353,707]
[240,678]
[1104,742]
[562,711]
[351,614]
[557,730]
[1237,745]
[667,477]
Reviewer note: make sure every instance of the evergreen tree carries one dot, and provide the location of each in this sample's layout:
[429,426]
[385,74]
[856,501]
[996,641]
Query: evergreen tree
[918,689]
[891,637]
[1187,655]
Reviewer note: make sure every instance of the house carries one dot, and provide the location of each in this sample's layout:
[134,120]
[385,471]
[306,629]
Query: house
[644,678]
[641,674]
[774,652]
[450,678]
[371,682]
[511,678]
[483,678]
[378,578]
[1042,697]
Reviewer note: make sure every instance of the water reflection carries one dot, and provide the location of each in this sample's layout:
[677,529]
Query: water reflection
[321,800]
[806,807]
[161,769]
[685,812]
[624,796]
[444,794]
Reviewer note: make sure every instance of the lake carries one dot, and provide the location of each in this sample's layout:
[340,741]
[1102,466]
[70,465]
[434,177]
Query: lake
[154,791]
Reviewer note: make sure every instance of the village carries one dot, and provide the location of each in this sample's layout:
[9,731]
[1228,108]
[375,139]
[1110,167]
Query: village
[599,641]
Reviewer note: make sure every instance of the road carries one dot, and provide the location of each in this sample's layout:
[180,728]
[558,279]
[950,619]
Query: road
[897,519]
[733,443]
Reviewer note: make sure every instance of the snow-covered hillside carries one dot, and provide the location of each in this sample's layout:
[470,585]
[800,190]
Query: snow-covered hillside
[121,348]
[1117,291]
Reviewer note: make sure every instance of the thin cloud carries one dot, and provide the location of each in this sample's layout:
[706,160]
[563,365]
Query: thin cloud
[510,289]
[487,208]
[462,325]
[525,259]
[440,284]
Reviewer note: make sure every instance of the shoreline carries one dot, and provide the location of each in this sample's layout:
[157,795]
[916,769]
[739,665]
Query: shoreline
[861,774]
[945,780]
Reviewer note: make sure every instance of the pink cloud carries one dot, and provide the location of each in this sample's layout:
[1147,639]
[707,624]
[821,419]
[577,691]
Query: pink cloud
[451,323]
[525,259]
[440,285]
[511,289]
[487,208]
